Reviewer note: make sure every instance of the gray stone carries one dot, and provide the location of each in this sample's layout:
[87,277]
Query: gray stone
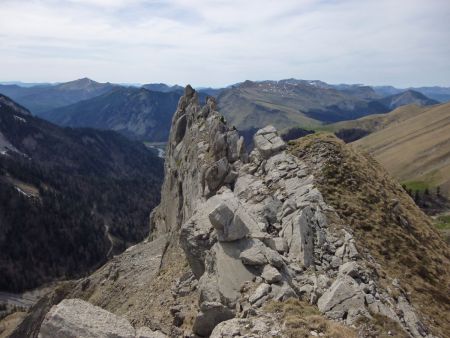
[282,292]
[288,207]
[211,314]
[233,152]
[299,236]
[343,300]
[229,270]
[350,268]
[188,91]
[410,318]
[180,128]
[237,229]
[145,332]
[230,219]
[266,130]
[221,216]
[271,274]
[261,291]
[208,287]
[73,318]
[268,142]
[215,175]
[274,257]
[263,326]
[253,256]
[278,244]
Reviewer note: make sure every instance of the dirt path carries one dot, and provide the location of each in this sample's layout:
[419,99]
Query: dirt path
[110,240]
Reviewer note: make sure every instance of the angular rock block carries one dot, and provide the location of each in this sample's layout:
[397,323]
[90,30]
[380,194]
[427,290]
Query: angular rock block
[268,142]
[75,318]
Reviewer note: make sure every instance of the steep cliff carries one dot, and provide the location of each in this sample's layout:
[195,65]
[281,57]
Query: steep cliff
[292,240]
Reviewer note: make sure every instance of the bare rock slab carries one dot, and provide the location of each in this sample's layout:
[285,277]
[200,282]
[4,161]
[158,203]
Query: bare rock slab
[75,318]
[268,142]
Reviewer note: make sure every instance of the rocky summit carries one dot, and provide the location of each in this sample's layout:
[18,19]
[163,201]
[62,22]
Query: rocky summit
[252,245]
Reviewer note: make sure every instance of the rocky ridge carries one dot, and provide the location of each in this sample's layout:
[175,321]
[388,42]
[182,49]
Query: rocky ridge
[260,224]
[255,229]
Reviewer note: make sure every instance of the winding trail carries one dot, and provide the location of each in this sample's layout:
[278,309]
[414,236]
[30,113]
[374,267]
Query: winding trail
[109,238]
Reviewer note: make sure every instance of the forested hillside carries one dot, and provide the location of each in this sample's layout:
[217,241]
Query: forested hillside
[68,198]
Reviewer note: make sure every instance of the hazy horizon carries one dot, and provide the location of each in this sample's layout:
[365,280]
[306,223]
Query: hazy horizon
[218,43]
[131,84]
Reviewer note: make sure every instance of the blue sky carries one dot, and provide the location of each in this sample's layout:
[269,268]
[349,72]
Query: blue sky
[219,42]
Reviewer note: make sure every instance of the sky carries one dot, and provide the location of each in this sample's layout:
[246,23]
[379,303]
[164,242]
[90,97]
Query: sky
[220,42]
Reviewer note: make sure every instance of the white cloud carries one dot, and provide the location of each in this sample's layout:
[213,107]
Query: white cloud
[217,42]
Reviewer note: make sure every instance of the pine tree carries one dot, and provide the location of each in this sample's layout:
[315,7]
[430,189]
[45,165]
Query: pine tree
[417,196]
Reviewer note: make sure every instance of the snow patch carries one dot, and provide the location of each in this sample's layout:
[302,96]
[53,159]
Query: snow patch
[20,119]
[23,192]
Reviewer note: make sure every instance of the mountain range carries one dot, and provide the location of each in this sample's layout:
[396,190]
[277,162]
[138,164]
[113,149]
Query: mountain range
[41,98]
[145,115]
[305,103]
[69,198]
[137,113]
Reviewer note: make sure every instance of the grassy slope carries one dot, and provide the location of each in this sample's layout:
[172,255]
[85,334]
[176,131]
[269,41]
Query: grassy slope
[416,149]
[385,222]
[247,108]
[377,122]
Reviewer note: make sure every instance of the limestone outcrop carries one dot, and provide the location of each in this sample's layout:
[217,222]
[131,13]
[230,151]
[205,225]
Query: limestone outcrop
[202,155]
[75,318]
[256,228]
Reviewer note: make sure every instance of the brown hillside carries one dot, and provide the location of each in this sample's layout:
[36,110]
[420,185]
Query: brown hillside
[415,149]
[392,231]
[377,122]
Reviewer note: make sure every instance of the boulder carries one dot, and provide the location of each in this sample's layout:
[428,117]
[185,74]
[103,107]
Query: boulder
[282,291]
[215,175]
[261,327]
[278,244]
[221,216]
[73,318]
[273,257]
[268,142]
[229,270]
[229,225]
[271,274]
[299,235]
[261,291]
[253,256]
[233,150]
[343,300]
[350,268]
[211,314]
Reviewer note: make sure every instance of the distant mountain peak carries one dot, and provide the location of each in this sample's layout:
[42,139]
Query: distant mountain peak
[406,97]
[80,83]
[162,87]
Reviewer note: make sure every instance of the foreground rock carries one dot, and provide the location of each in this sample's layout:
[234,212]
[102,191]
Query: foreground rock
[75,318]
